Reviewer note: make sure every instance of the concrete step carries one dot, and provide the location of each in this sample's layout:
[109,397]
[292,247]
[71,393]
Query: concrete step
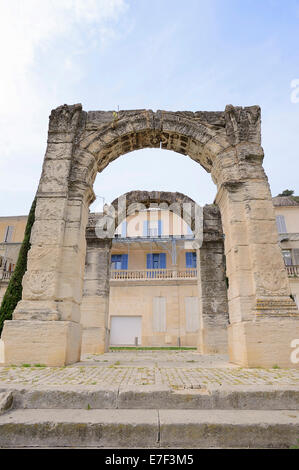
[155,397]
[141,428]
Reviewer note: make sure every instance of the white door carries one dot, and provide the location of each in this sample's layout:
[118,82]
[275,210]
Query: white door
[124,330]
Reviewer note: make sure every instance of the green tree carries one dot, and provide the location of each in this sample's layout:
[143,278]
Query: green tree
[14,290]
[287,192]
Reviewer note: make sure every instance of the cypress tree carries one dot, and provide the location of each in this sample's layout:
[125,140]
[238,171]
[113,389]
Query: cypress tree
[14,289]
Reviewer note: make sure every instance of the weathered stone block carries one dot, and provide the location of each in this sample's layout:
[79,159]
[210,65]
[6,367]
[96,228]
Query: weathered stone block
[262,231]
[55,176]
[59,151]
[44,258]
[50,208]
[39,285]
[238,258]
[53,343]
[70,288]
[94,340]
[37,309]
[240,284]
[47,232]
[94,311]
[264,343]
[260,209]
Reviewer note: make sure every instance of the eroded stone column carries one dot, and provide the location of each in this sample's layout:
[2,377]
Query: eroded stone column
[264,318]
[212,286]
[95,301]
[46,323]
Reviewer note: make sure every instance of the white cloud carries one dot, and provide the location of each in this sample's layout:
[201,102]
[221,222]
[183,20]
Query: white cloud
[29,32]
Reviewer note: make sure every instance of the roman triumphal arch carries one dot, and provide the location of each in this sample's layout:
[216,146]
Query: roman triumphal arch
[264,319]
[208,242]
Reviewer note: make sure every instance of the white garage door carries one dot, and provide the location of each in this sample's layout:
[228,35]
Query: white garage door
[124,330]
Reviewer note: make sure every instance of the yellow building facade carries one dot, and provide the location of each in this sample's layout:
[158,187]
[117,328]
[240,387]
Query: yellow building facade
[154,298]
[12,231]
[287,218]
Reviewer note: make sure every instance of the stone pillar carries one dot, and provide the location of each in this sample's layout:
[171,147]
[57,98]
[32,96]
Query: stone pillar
[95,301]
[264,319]
[46,323]
[212,287]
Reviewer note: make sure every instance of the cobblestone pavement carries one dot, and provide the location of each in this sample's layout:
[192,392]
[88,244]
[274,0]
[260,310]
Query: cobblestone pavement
[175,369]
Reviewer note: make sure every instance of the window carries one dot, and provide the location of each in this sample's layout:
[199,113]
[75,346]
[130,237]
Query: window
[287,256]
[8,234]
[119,261]
[281,224]
[192,315]
[152,228]
[190,259]
[156,261]
[296,256]
[159,314]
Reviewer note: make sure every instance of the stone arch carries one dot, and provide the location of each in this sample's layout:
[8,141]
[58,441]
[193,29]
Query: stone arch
[176,202]
[46,323]
[213,308]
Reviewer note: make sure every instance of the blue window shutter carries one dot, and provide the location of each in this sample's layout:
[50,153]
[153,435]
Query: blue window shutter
[194,259]
[149,261]
[159,228]
[145,224]
[124,261]
[188,259]
[113,258]
[162,260]
[124,229]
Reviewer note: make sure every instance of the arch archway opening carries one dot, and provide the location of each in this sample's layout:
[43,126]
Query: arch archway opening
[153,265]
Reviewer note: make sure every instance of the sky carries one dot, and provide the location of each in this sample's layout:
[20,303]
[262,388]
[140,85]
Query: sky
[154,54]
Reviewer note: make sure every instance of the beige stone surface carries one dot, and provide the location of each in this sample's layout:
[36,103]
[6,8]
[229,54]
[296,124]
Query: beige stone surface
[54,343]
[2,352]
[94,340]
[263,343]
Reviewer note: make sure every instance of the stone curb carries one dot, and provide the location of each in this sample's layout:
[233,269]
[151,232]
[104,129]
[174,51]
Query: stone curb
[80,428]
[150,428]
[227,428]
[153,397]
[6,400]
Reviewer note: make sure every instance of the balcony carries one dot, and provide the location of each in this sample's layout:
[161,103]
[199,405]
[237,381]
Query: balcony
[293,271]
[152,274]
[5,275]
[170,274]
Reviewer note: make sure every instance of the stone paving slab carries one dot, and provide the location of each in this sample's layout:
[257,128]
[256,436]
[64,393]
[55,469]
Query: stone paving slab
[182,370]
[159,358]
[137,376]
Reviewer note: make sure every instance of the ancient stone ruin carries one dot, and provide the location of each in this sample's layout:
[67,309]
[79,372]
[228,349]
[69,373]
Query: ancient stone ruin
[262,317]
